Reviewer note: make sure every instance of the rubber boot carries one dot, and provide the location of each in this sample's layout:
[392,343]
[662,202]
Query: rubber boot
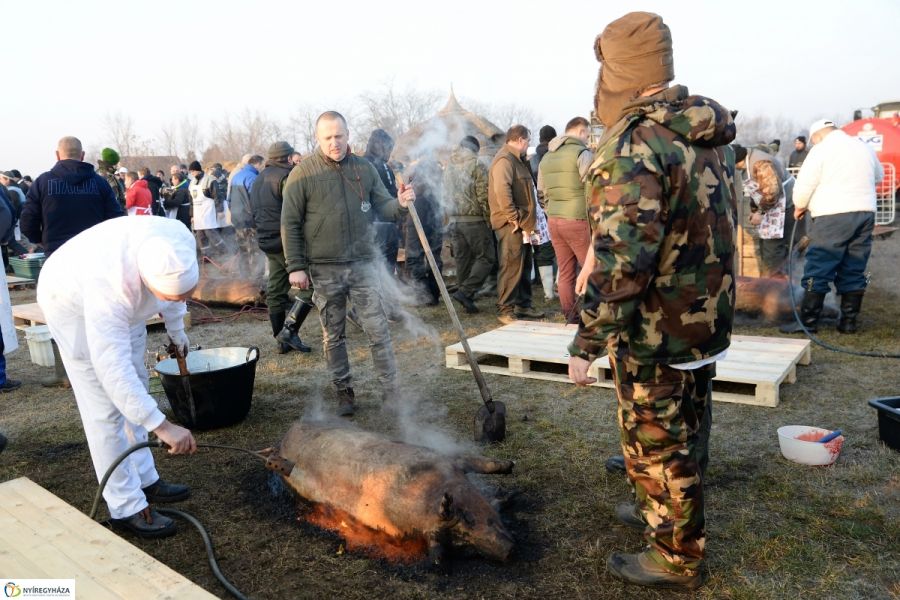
[59,377]
[850,305]
[547,281]
[277,322]
[810,311]
[295,317]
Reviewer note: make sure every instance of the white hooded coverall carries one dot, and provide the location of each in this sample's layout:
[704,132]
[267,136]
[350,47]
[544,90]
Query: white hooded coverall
[96,306]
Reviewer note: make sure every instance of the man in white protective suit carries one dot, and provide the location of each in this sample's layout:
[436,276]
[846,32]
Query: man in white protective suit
[97,292]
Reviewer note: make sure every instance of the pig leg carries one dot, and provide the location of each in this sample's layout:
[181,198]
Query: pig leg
[481,464]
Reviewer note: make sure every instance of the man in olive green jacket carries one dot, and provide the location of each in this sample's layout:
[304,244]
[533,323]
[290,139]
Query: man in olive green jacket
[511,196]
[330,203]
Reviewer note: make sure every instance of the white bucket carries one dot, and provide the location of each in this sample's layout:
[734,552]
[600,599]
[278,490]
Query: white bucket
[39,345]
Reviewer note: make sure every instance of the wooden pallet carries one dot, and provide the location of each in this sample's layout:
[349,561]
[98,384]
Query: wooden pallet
[751,373]
[45,538]
[14,281]
[28,315]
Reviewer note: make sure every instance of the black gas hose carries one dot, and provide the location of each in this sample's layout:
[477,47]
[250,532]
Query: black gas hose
[207,540]
[808,333]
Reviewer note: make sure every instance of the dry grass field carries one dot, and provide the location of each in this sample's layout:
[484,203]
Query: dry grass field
[776,529]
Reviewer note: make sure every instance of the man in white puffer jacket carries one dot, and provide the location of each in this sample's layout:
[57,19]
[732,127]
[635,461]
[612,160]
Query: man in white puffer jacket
[836,185]
[97,292]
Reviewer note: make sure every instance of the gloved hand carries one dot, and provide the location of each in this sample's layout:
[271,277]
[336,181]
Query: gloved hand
[180,340]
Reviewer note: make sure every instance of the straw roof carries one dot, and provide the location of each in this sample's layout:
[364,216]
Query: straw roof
[443,132]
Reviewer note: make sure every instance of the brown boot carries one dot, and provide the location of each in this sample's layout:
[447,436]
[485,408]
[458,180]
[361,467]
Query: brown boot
[59,377]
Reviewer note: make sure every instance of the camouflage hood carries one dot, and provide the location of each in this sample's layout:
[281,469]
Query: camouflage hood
[700,120]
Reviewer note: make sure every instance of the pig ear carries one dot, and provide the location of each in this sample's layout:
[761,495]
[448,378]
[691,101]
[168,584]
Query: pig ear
[446,510]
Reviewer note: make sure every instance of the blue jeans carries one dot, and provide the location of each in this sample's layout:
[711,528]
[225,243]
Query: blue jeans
[838,252]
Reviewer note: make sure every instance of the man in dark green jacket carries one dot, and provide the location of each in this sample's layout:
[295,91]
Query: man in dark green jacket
[661,297]
[327,227]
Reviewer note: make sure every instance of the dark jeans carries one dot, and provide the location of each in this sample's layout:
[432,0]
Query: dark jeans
[473,249]
[838,252]
[278,286]
[773,254]
[513,277]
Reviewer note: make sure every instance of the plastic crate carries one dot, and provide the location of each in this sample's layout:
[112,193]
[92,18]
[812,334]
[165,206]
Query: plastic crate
[888,420]
[29,268]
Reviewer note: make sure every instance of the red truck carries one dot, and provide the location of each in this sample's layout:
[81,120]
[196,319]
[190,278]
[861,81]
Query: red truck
[882,132]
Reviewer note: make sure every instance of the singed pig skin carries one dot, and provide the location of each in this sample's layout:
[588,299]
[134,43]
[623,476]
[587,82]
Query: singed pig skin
[398,488]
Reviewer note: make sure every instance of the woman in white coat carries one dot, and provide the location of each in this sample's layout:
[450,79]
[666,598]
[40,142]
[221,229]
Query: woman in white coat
[97,292]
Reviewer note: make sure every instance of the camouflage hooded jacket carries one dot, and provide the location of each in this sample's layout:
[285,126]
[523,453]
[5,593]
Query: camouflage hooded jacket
[662,208]
[466,187]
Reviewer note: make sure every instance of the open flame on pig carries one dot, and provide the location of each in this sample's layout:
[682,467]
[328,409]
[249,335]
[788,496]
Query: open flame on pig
[376,492]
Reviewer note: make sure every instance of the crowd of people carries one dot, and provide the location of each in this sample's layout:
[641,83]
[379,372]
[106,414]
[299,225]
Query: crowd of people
[636,236]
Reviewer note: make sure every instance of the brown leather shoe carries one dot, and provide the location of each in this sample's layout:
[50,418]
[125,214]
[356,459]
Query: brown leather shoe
[147,524]
[639,569]
[507,318]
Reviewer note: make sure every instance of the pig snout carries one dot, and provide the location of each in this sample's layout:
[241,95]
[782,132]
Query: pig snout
[489,537]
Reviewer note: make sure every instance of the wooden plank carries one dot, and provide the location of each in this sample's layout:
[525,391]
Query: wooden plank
[28,315]
[42,531]
[14,281]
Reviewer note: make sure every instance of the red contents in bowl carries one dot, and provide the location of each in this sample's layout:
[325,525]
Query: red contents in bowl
[812,436]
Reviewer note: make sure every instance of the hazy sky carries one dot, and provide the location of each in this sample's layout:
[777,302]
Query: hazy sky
[67,64]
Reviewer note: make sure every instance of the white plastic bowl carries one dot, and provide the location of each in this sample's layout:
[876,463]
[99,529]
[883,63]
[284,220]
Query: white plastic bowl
[808,453]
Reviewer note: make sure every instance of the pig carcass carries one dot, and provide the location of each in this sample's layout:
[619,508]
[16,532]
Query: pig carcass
[402,490]
[771,297]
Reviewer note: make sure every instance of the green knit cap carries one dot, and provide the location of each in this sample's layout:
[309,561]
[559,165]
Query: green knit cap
[109,156]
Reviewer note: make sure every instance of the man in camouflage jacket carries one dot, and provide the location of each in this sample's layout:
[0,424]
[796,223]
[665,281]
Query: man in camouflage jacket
[106,168]
[661,296]
[466,197]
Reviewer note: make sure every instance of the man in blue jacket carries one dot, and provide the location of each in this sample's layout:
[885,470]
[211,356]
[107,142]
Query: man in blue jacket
[66,200]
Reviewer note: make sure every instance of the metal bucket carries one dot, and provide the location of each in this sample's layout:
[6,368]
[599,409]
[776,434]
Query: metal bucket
[221,383]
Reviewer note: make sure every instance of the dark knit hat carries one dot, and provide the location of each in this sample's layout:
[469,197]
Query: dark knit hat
[800,138]
[195,166]
[279,150]
[635,52]
[109,156]
[546,134]
[740,153]
[471,142]
[16,173]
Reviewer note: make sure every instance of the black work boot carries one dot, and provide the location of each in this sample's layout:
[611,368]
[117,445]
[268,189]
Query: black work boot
[850,305]
[466,302]
[59,377]
[146,524]
[346,402]
[292,322]
[615,464]
[640,569]
[277,322]
[629,514]
[810,311]
[161,492]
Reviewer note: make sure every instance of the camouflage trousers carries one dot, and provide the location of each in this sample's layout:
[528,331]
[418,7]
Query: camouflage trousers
[334,284]
[665,416]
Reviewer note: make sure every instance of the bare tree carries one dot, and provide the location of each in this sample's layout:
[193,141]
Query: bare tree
[396,111]
[762,129]
[120,131]
[190,138]
[506,115]
[251,131]
[301,128]
[168,137]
